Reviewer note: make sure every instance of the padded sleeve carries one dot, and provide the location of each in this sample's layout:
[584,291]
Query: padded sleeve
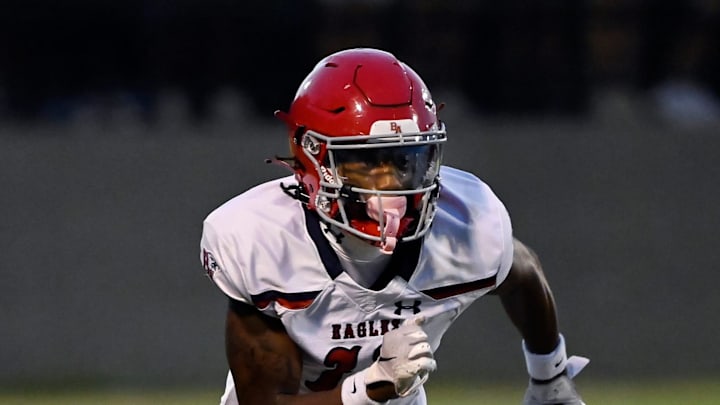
[219,258]
[506,256]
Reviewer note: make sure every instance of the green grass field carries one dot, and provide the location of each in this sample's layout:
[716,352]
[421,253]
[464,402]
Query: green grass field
[596,393]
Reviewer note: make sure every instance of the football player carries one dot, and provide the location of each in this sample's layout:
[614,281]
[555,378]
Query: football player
[343,277]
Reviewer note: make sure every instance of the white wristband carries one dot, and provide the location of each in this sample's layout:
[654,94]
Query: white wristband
[354,392]
[546,366]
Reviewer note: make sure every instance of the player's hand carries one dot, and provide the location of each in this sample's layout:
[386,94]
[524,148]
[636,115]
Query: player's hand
[559,390]
[406,358]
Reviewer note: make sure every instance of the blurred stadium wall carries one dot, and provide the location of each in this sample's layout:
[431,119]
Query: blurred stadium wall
[101,279]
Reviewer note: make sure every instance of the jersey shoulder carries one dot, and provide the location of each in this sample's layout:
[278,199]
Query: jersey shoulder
[256,248]
[466,197]
[249,209]
[470,241]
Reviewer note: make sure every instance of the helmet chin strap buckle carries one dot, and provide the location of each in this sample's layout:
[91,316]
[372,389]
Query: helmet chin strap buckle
[388,211]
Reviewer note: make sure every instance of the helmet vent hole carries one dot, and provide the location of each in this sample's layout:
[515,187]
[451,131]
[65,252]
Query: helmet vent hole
[331,65]
[338,110]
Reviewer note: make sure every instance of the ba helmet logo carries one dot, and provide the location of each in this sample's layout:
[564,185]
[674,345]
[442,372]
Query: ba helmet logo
[391,127]
[209,263]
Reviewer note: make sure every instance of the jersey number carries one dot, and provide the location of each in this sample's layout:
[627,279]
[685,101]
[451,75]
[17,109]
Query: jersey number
[341,360]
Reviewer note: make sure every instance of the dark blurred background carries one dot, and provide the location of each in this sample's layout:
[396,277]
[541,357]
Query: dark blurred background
[122,124]
[504,57]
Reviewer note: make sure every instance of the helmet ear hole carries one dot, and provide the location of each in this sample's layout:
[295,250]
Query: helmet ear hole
[297,136]
[294,143]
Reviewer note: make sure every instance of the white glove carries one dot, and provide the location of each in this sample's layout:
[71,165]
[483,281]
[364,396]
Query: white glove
[406,358]
[559,390]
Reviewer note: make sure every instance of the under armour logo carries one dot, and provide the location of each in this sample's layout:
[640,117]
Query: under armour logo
[415,307]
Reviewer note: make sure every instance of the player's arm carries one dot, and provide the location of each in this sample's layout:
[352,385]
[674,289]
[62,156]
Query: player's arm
[265,363]
[526,296]
[529,302]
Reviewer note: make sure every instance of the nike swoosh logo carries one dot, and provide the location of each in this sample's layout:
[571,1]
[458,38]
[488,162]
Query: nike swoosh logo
[381,358]
[354,387]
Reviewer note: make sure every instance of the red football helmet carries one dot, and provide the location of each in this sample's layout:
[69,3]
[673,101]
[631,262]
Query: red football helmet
[367,146]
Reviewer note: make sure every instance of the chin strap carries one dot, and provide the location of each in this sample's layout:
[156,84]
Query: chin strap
[391,210]
[296,191]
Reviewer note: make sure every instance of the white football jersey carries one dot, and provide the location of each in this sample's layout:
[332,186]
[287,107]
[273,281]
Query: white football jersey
[265,249]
